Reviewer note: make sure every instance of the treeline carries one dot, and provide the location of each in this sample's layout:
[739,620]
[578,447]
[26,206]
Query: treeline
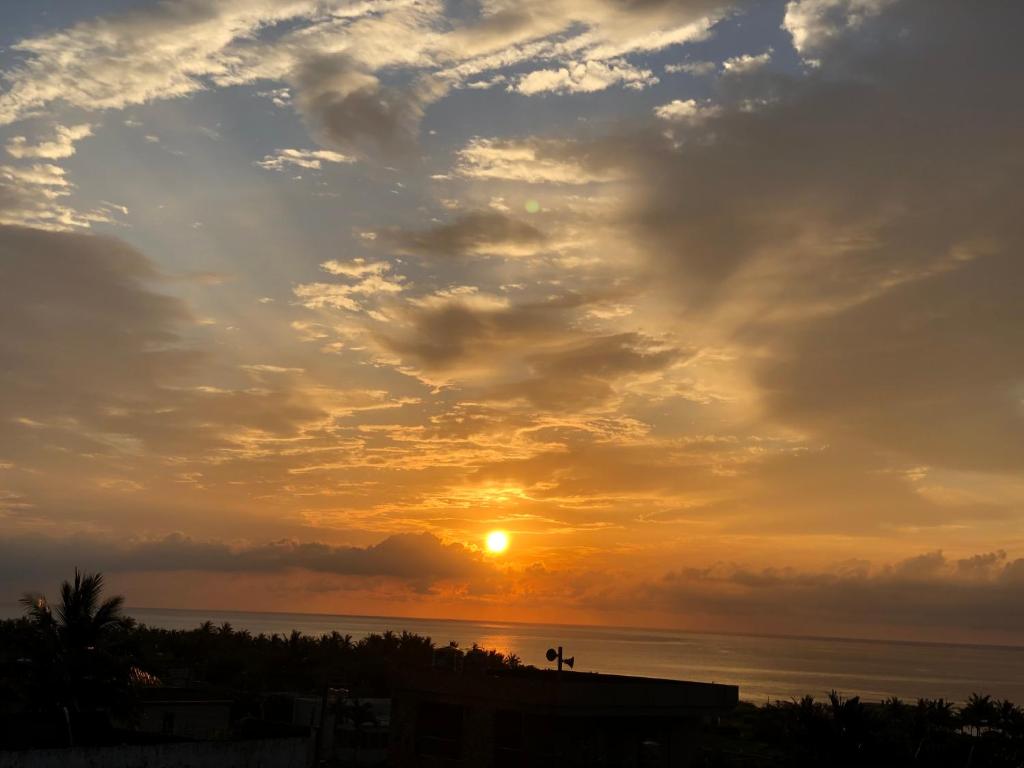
[983,733]
[236,659]
[129,655]
[81,667]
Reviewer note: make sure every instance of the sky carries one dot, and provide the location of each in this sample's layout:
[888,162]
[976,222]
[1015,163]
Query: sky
[712,306]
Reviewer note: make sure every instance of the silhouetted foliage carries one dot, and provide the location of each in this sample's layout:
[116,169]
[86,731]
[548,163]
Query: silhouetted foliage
[82,663]
[849,732]
[71,664]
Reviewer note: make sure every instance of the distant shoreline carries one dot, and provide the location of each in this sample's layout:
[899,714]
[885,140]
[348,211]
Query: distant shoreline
[609,627]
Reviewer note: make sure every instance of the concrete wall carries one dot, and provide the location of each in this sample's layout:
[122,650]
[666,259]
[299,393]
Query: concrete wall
[263,753]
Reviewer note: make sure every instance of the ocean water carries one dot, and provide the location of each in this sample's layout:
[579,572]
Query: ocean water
[763,667]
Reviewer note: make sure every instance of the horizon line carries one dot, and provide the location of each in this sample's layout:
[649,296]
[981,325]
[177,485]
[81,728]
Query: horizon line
[723,633]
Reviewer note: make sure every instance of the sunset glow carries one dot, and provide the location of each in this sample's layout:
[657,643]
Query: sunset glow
[716,306]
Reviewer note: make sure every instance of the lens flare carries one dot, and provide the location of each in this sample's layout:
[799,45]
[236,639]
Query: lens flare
[497,542]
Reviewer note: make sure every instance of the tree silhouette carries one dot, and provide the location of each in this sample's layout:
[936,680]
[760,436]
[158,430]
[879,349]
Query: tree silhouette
[77,666]
[979,712]
[1011,720]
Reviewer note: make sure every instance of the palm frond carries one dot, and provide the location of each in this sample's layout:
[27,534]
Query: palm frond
[36,608]
[109,612]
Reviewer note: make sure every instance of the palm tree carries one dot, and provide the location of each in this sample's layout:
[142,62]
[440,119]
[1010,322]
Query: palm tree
[1011,719]
[74,643]
[979,712]
[849,721]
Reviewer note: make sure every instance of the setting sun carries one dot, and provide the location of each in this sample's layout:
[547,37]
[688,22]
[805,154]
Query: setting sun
[497,542]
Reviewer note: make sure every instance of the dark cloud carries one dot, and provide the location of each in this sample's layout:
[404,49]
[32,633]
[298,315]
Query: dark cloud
[583,372]
[926,592]
[353,112]
[419,559]
[928,360]
[92,357]
[456,331]
[604,356]
[933,369]
[897,148]
[479,232]
[530,351]
[80,327]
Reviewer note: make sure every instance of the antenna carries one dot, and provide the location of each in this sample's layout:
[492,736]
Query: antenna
[552,655]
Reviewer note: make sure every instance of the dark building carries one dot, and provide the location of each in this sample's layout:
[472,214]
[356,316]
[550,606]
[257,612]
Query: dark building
[184,713]
[528,717]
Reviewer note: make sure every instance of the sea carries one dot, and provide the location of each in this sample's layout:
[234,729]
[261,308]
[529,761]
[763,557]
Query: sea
[764,668]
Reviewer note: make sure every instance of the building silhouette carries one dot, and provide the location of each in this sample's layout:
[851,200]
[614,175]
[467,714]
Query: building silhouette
[530,717]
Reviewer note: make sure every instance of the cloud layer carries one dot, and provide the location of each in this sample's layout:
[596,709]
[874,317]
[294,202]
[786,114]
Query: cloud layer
[417,559]
[712,306]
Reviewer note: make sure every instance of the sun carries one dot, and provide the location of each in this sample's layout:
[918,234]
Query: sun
[497,542]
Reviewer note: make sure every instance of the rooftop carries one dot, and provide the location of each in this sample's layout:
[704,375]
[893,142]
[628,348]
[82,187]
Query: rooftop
[573,693]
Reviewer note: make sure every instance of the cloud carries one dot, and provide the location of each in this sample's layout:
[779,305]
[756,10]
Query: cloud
[860,287]
[370,279]
[929,592]
[528,352]
[356,268]
[350,109]
[38,174]
[165,51]
[685,111]
[332,57]
[419,559]
[863,249]
[919,352]
[96,364]
[585,77]
[535,161]
[98,286]
[35,196]
[61,145]
[584,373]
[746,63]
[932,369]
[476,233]
[813,24]
[587,43]
[695,68]
[302,158]
[916,597]
[457,329]
[782,190]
